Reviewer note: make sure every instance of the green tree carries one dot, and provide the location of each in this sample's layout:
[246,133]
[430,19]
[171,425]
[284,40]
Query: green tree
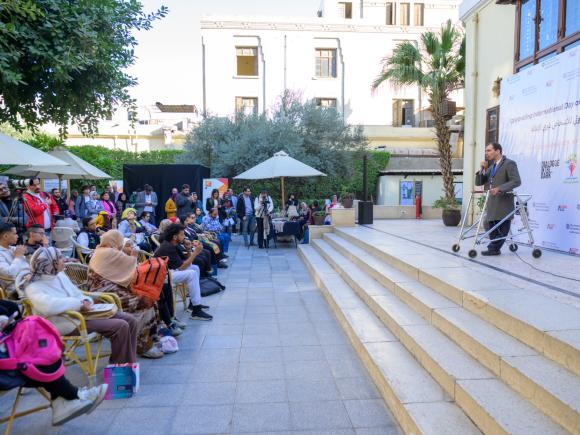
[316,136]
[438,66]
[65,61]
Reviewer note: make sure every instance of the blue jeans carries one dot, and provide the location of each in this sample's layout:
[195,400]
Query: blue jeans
[248,225]
[225,239]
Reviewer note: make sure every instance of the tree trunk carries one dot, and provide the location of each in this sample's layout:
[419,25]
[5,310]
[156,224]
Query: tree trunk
[443,134]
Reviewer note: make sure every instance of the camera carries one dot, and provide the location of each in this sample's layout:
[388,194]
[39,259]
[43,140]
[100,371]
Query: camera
[19,184]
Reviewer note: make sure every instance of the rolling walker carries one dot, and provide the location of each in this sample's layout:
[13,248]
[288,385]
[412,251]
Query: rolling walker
[481,235]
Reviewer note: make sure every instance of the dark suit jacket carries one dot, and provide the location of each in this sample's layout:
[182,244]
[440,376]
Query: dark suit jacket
[241,206]
[506,178]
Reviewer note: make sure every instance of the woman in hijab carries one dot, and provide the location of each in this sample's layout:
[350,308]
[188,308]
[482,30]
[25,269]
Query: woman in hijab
[111,270]
[131,228]
[94,205]
[52,293]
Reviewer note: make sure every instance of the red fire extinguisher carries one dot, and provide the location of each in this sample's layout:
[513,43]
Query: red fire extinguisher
[417,207]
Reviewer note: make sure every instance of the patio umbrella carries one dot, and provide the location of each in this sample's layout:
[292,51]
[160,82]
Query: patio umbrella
[14,152]
[77,169]
[280,165]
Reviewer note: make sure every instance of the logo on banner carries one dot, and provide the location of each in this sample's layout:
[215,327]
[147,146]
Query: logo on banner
[571,165]
[562,207]
[546,169]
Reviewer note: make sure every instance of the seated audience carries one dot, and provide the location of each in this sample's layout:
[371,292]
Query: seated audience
[132,229]
[145,221]
[35,238]
[52,293]
[199,216]
[183,271]
[205,261]
[90,236]
[103,221]
[212,223]
[67,401]
[12,259]
[69,221]
[111,270]
[231,216]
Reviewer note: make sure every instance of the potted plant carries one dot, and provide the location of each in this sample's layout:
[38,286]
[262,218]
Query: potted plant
[451,211]
[347,199]
[318,218]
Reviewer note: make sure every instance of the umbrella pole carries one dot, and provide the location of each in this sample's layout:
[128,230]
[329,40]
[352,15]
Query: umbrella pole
[282,191]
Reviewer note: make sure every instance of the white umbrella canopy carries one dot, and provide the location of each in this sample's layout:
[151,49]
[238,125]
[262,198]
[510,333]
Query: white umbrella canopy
[14,152]
[280,165]
[77,168]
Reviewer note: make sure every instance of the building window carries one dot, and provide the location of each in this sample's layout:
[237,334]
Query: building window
[390,14]
[325,63]
[492,125]
[544,27]
[345,10]
[418,14]
[405,14]
[247,61]
[247,105]
[326,102]
[403,113]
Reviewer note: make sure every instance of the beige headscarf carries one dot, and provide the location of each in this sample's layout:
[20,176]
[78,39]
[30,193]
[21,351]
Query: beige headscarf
[110,262]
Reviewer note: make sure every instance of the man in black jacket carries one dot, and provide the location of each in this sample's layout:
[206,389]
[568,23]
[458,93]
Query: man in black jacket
[245,211]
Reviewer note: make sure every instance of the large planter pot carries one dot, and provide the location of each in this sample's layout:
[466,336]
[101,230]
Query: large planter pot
[347,203]
[318,220]
[451,217]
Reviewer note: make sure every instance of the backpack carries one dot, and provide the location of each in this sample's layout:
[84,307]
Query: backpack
[33,342]
[209,287]
[150,277]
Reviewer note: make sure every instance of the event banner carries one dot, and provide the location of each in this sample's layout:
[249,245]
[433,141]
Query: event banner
[540,130]
[210,184]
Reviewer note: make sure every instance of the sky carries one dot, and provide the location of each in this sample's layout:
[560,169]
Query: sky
[168,64]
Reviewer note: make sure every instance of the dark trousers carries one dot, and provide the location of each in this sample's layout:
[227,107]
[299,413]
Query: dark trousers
[260,230]
[60,387]
[165,304]
[500,232]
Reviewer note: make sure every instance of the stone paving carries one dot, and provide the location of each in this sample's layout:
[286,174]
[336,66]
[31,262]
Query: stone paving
[274,360]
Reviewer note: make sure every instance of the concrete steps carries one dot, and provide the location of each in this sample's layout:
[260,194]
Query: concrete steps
[549,327]
[549,386]
[418,402]
[474,388]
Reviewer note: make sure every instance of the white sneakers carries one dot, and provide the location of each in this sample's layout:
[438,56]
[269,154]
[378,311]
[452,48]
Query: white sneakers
[94,395]
[65,410]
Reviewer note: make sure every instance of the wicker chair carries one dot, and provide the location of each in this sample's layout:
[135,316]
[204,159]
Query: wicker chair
[14,414]
[179,289]
[81,251]
[155,239]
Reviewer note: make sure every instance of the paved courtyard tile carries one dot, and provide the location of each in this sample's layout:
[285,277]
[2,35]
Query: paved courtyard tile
[273,361]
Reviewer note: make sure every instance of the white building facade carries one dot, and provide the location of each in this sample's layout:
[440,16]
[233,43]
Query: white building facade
[332,58]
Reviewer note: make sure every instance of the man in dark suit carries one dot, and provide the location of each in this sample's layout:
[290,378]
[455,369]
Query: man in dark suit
[500,176]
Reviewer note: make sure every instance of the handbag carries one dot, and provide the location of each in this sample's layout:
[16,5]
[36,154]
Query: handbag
[122,380]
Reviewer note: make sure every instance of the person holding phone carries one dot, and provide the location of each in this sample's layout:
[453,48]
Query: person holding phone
[500,176]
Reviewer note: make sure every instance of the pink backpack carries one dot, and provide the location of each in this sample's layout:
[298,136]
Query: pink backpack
[34,341]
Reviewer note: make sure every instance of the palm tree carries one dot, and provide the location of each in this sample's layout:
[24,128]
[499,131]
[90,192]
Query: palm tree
[438,66]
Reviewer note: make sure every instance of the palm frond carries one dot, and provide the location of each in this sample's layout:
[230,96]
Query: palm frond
[403,67]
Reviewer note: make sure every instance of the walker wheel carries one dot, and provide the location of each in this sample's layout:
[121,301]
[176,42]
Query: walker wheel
[536,253]
[472,253]
[455,248]
[513,247]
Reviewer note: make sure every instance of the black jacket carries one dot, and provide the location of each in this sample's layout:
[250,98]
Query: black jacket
[241,206]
